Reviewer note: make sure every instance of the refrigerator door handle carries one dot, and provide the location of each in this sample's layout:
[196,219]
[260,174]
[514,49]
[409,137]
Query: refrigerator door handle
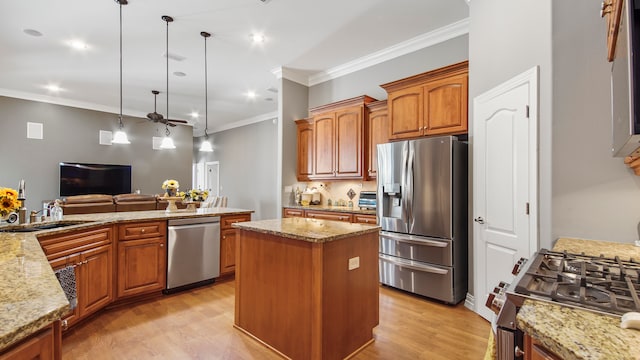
[409,186]
[415,241]
[414,266]
[403,188]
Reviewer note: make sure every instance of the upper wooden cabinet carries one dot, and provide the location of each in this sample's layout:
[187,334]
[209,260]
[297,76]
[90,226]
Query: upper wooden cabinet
[305,149]
[337,143]
[431,103]
[378,133]
[611,10]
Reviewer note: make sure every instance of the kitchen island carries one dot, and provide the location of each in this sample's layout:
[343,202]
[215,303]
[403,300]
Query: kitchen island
[576,334]
[307,288]
[31,297]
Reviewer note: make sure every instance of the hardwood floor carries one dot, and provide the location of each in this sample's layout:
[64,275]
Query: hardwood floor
[198,324]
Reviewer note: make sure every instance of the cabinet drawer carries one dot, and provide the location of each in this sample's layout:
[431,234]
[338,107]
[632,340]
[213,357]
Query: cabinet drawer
[364,219]
[292,212]
[64,245]
[226,221]
[143,230]
[328,215]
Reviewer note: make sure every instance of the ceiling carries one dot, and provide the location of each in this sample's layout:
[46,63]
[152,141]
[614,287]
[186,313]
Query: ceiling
[303,37]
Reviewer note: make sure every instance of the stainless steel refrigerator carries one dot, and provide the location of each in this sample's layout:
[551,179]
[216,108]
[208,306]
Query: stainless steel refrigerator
[422,209]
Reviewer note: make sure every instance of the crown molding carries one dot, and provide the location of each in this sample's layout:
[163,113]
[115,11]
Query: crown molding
[289,74]
[239,123]
[439,35]
[67,102]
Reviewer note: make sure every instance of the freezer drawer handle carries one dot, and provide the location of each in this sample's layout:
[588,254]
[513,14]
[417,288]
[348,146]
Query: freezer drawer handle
[416,242]
[424,268]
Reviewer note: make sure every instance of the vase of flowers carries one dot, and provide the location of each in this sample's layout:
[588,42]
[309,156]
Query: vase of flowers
[170,187]
[194,195]
[8,202]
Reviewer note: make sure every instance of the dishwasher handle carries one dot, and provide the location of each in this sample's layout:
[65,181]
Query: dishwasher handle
[194,221]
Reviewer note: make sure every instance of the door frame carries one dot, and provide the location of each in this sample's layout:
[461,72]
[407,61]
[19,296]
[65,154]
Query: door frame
[206,177]
[530,78]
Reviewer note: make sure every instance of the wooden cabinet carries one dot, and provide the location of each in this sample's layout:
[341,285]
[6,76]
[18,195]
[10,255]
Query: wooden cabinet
[339,143]
[378,133]
[142,258]
[612,12]
[41,346]
[365,219]
[432,103]
[305,149]
[228,242]
[328,215]
[533,350]
[90,252]
[287,212]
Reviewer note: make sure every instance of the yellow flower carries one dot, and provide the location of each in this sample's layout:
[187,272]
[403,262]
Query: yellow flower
[8,201]
[170,184]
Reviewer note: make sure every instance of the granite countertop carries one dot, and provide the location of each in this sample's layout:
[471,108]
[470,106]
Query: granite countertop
[344,209]
[30,294]
[580,334]
[311,230]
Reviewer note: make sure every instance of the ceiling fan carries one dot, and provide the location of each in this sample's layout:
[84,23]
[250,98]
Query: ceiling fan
[159,118]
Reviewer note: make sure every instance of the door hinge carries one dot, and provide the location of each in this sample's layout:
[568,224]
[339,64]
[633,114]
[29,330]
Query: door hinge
[527,209]
[527,113]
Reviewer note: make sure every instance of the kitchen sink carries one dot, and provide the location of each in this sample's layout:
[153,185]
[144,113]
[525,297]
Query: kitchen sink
[37,227]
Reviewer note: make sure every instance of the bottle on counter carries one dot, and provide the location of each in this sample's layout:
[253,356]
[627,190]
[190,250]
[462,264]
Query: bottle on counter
[56,211]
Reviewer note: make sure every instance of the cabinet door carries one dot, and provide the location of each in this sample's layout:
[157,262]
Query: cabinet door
[406,113]
[445,104]
[349,139]
[141,266]
[39,346]
[96,279]
[533,350]
[378,134]
[324,145]
[305,150]
[227,251]
[59,263]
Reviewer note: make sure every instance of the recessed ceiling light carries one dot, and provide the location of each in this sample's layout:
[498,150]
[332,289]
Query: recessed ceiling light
[32,32]
[179,73]
[258,38]
[251,94]
[78,44]
[53,88]
[194,114]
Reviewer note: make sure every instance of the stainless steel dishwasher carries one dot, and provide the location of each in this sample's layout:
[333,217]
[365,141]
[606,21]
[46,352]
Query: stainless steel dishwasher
[193,256]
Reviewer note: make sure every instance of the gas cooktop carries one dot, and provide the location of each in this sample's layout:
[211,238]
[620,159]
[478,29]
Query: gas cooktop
[607,285]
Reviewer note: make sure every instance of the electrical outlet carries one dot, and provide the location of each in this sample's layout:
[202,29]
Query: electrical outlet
[354,263]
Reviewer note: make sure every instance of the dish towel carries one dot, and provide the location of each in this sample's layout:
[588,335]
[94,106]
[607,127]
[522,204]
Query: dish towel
[67,279]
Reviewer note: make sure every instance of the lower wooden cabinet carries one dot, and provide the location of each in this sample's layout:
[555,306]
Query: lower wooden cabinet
[328,215]
[228,242]
[533,350]
[41,346]
[287,212]
[142,259]
[90,252]
[365,219]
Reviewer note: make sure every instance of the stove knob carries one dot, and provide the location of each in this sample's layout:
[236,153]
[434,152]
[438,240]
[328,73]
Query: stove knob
[518,266]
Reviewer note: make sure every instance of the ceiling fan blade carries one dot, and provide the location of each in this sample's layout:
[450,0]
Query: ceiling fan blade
[178,121]
[154,116]
[170,124]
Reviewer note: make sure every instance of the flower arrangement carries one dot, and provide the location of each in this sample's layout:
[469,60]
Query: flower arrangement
[194,195]
[171,187]
[8,201]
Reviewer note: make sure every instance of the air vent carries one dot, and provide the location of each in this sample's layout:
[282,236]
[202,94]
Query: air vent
[173,56]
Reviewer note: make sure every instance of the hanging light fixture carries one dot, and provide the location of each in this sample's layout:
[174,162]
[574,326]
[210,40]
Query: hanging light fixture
[120,137]
[206,144]
[167,141]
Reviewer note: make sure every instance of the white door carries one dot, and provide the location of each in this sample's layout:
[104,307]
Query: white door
[504,182]
[212,171]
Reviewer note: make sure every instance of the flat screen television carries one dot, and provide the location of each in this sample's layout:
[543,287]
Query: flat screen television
[84,179]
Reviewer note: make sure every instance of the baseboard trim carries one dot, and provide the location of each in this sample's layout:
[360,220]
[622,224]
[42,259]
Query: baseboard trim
[470,302]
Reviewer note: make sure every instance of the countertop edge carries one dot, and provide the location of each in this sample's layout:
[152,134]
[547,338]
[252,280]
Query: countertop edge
[273,227]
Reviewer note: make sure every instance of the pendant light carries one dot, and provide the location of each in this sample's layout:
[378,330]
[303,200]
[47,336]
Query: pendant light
[206,144]
[120,137]
[167,141]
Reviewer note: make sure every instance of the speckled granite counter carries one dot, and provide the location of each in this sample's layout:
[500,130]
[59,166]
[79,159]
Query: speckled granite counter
[343,209]
[580,334]
[311,230]
[30,295]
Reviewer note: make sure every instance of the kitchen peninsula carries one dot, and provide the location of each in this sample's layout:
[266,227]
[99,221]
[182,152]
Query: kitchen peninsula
[33,301]
[307,288]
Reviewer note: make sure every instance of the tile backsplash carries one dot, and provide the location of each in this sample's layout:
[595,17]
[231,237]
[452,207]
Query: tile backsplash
[334,190]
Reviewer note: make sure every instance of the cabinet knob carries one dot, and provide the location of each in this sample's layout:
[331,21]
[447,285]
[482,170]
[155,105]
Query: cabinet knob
[224,236]
[65,324]
[161,245]
[517,352]
[143,230]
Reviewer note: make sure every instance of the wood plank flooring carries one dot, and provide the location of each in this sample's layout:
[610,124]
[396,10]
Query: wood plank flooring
[198,324]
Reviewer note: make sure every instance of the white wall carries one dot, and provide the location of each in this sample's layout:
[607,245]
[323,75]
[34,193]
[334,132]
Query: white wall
[595,196]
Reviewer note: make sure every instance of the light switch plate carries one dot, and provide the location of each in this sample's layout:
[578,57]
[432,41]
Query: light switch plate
[354,263]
